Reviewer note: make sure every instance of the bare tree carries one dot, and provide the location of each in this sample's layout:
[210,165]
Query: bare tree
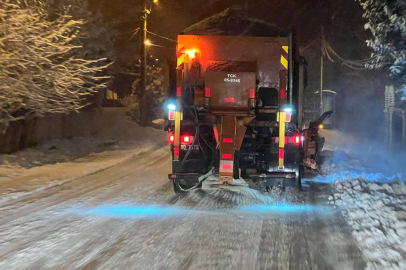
[43,64]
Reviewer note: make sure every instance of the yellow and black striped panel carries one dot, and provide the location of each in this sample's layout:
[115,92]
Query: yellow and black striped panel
[284,57]
[181,56]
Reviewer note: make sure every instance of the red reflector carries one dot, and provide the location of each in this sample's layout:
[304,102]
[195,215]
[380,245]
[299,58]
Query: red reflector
[176,151]
[252,92]
[171,138]
[207,92]
[283,93]
[186,139]
[227,156]
[171,115]
[230,100]
[228,140]
[173,176]
[288,116]
[227,167]
[297,139]
[281,153]
[178,91]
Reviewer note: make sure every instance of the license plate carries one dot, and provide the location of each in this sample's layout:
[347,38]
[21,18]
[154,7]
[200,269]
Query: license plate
[187,147]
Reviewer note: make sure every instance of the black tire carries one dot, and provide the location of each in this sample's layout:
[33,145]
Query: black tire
[299,177]
[182,189]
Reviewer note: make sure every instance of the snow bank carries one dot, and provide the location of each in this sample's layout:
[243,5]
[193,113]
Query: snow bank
[115,132]
[377,214]
[369,187]
[57,162]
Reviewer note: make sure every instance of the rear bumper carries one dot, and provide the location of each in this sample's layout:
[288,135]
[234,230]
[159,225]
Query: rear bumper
[274,179]
[272,175]
[189,177]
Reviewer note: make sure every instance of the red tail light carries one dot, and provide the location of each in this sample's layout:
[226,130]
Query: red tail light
[171,138]
[227,140]
[297,139]
[186,139]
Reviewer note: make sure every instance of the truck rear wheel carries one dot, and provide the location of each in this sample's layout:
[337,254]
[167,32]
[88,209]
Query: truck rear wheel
[299,177]
[181,188]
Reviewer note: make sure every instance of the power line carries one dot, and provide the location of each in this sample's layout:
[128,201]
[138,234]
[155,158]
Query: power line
[123,21]
[162,37]
[353,64]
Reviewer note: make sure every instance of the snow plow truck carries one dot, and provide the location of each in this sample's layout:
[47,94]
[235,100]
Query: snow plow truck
[235,106]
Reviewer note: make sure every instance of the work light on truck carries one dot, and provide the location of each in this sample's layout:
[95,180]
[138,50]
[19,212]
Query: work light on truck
[287,109]
[171,106]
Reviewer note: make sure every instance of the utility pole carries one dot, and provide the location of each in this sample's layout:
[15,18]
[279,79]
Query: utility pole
[143,92]
[321,71]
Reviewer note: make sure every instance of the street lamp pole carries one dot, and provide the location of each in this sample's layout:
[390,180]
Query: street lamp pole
[143,92]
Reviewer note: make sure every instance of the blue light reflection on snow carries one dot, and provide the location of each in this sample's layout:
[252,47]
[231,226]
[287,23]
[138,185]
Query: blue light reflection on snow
[284,208]
[154,211]
[346,176]
[129,211]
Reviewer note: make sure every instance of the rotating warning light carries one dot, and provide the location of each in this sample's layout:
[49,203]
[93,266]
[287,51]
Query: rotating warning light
[193,54]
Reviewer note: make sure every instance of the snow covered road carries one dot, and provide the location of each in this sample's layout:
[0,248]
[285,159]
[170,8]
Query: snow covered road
[127,217]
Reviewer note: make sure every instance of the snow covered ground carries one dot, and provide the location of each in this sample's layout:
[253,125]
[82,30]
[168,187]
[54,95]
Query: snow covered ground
[56,162]
[115,209]
[372,199]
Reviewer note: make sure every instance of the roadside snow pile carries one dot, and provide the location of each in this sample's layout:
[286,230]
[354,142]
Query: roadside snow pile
[377,214]
[370,188]
[115,132]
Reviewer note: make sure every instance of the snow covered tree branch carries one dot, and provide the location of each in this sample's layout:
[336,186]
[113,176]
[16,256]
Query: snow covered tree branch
[45,66]
[386,20]
[155,93]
